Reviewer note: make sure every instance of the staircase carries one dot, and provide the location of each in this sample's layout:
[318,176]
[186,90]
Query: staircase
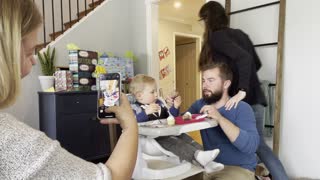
[64,25]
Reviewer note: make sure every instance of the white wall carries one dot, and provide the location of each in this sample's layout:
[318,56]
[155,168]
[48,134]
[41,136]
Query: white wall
[105,30]
[137,33]
[300,124]
[237,5]
[166,39]
[262,27]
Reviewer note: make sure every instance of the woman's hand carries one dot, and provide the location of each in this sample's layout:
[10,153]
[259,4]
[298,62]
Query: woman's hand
[123,157]
[124,114]
[233,102]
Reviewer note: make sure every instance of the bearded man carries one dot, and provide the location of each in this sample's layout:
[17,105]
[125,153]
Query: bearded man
[236,135]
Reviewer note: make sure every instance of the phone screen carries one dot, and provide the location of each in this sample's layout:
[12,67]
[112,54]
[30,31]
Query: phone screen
[108,93]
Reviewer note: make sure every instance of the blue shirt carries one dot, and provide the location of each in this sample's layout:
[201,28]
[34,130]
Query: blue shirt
[242,151]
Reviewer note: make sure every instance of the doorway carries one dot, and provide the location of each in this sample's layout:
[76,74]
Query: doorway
[187,74]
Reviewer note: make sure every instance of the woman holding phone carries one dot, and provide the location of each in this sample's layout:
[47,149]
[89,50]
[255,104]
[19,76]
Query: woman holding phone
[27,153]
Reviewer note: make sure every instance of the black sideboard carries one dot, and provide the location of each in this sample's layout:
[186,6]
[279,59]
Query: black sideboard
[70,118]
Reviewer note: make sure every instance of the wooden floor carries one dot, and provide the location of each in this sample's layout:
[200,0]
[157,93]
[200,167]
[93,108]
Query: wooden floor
[196,136]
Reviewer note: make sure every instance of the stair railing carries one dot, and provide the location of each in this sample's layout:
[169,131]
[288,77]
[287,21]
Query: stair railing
[63,17]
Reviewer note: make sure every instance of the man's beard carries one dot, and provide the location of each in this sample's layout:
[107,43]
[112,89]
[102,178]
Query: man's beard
[212,98]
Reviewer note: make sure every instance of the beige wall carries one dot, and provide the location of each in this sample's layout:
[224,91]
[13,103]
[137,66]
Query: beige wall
[299,138]
[166,39]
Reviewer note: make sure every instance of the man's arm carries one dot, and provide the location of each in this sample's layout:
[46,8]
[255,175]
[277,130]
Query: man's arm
[229,129]
[195,107]
[243,133]
[248,139]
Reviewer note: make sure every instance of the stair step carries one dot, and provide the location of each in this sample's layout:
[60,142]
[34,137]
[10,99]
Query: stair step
[40,46]
[84,13]
[68,25]
[54,35]
[96,3]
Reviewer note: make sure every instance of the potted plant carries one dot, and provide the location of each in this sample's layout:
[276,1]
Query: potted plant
[46,59]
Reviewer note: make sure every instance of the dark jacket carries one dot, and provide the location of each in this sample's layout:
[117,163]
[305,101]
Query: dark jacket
[235,48]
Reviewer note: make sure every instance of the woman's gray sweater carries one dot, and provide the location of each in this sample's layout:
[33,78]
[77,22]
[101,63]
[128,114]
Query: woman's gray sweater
[26,153]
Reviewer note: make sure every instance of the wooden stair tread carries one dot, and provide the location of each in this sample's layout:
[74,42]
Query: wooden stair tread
[96,3]
[40,46]
[54,35]
[68,25]
[84,13]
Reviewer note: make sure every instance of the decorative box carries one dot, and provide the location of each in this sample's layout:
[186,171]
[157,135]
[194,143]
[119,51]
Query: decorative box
[124,66]
[82,64]
[63,80]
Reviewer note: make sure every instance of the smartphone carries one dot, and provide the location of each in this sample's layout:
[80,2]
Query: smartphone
[109,88]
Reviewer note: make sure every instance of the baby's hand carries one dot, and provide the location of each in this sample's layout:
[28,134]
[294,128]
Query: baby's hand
[152,108]
[177,102]
[169,101]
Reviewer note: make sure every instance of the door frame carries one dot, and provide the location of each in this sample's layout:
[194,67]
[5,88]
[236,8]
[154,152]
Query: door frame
[198,49]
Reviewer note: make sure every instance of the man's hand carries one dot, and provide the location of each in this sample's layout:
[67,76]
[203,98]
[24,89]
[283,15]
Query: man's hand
[229,129]
[212,112]
[174,99]
[233,102]
[177,102]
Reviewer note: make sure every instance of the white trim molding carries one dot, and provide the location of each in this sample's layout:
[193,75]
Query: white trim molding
[152,38]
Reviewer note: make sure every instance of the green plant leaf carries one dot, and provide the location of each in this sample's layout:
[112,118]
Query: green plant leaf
[47,59]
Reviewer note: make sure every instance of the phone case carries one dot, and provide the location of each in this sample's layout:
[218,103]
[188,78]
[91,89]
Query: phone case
[109,88]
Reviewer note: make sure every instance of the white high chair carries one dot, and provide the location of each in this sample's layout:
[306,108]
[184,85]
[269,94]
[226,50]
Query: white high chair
[153,161]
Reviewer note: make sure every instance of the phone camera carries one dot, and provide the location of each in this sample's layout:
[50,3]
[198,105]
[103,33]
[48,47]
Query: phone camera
[116,76]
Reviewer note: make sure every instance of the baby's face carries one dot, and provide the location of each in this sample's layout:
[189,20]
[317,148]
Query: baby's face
[149,94]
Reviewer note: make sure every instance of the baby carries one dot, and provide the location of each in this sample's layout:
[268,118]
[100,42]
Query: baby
[148,107]
[111,93]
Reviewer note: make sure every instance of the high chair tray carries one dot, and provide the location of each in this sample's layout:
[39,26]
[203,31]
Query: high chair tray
[160,127]
[194,118]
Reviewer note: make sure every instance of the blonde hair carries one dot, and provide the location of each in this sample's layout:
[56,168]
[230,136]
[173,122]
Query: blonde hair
[17,19]
[138,83]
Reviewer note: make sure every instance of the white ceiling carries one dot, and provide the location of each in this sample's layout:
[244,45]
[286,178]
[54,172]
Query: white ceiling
[187,13]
